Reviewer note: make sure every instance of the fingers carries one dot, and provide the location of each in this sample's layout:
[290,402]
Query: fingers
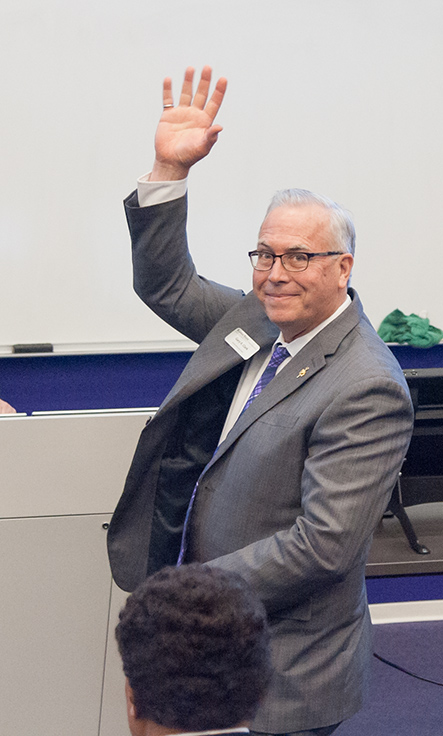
[202,92]
[212,134]
[216,100]
[167,92]
[186,93]
[201,95]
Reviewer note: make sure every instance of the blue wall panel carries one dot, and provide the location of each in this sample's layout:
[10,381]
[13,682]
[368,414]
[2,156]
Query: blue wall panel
[106,381]
[405,588]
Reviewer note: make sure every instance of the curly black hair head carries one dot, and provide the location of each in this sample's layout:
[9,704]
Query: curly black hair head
[195,648]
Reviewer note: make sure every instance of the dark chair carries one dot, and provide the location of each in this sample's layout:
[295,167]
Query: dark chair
[421,477]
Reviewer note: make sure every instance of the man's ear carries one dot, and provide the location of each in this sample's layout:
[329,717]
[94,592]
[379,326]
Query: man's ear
[129,699]
[136,726]
[346,263]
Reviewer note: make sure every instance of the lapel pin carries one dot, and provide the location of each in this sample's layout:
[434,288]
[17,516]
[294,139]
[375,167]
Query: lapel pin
[303,372]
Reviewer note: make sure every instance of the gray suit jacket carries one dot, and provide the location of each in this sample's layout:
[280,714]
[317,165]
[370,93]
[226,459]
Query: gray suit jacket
[292,496]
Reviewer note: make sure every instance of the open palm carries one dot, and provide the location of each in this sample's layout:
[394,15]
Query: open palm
[186,133]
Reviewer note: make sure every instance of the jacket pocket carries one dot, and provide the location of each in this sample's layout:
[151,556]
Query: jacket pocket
[278,419]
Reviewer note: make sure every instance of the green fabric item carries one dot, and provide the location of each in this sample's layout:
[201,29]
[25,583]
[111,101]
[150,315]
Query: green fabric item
[412,329]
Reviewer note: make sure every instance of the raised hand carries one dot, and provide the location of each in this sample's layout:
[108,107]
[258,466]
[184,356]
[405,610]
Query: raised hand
[186,133]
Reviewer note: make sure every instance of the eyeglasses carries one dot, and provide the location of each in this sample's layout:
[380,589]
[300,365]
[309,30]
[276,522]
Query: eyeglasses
[263,260]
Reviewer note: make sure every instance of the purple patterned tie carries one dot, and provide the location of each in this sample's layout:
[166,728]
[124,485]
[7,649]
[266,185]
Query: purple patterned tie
[278,356]
[184,542]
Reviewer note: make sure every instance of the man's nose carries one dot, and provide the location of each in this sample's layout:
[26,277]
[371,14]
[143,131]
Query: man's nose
[278,271]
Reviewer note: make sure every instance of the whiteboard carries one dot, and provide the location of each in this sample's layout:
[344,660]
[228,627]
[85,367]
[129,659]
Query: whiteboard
[344,97]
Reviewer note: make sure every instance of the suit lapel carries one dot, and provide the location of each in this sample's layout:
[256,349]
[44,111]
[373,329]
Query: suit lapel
[214,356]
[297,372]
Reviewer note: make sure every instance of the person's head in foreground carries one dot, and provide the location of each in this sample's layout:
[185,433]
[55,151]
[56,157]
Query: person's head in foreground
[194,642]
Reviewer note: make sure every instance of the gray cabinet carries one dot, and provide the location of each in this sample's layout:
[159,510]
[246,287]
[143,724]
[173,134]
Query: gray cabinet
[60,480]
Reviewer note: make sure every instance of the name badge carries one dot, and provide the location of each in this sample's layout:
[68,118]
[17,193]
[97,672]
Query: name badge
[244,345]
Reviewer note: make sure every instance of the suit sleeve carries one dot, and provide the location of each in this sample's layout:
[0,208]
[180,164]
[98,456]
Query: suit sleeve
[165,277]
[355,450]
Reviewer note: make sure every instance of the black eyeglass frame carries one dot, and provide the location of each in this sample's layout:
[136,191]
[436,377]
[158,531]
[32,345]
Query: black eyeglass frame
[283,255]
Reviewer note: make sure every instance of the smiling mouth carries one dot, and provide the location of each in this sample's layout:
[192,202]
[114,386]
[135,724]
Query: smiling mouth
[280,296]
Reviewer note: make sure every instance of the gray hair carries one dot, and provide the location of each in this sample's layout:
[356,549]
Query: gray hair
[342,227]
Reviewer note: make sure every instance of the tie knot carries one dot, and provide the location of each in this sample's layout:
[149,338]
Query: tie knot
[278,356]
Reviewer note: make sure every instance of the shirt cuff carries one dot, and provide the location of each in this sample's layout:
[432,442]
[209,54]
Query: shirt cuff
[157,192]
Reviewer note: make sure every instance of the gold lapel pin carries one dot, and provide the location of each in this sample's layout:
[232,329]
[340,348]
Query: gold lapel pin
[303,372]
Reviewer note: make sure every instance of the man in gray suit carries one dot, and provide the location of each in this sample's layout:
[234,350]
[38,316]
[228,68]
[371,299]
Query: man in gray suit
[281,480]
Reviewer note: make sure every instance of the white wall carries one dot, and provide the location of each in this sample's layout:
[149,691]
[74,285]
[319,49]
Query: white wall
[340,96]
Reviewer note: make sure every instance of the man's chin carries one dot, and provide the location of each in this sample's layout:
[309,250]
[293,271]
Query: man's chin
[277,311]
[290,328]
